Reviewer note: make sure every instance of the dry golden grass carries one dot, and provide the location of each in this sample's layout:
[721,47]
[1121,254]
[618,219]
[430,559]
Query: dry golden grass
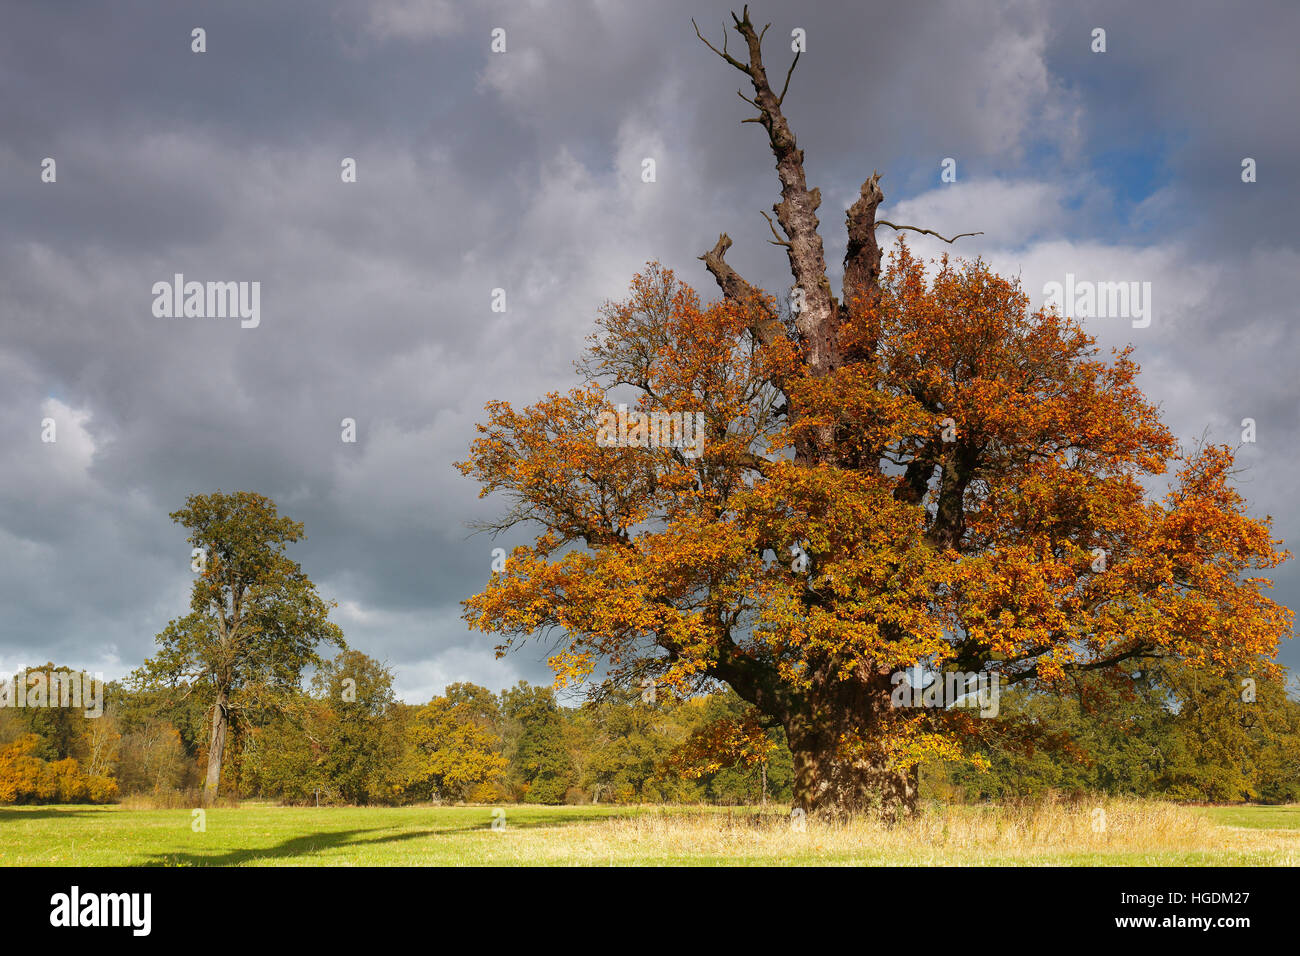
[172,800]
[1101,832]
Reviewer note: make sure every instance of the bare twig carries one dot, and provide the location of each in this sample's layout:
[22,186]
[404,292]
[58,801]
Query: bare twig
[742,67]
[778,241]
[781,99]
[928,232]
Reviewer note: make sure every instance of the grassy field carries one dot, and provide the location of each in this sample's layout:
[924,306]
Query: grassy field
[1132,833]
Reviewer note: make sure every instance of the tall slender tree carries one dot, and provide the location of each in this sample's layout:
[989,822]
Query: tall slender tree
[255,618]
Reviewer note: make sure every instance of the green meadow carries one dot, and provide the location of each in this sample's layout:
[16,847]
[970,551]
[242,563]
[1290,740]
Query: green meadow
[1105,833]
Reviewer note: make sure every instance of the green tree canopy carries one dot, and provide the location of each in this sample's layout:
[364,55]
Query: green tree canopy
[255,618]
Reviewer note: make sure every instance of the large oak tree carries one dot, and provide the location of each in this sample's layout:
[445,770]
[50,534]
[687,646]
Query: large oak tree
[965,483]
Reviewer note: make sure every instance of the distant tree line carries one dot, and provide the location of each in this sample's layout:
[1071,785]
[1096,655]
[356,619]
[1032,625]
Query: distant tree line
[342,737]
[1183,736]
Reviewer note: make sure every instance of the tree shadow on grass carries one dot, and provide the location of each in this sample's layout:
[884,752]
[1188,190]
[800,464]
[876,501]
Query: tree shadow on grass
[313,843]
[302,846]
[17,814]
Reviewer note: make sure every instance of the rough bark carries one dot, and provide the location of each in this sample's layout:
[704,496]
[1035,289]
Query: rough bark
[862,254]
[216,746]
[832,781]
[830,787]
[766,327]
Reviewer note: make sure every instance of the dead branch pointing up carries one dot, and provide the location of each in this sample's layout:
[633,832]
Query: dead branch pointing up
[796,213]
[742,67]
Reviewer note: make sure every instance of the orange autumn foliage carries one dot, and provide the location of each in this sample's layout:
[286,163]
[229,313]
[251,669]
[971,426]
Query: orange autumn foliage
[986,508]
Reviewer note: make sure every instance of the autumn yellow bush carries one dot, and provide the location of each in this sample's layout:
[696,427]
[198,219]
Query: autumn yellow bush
[26,778]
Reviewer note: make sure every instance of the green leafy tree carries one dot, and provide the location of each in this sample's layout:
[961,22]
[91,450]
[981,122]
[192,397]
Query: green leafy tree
[163,734]
[61,730]
[255,618]
[357,696]
[1244,734]
[453,744]
[1160,731]
[1104,736]
[626,746]
[539,763]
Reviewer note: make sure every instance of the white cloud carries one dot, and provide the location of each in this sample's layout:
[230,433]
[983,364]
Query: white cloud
[73,449]
[412,19]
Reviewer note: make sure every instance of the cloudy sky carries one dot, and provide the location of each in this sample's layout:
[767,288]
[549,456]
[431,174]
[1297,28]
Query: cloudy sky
[522,170]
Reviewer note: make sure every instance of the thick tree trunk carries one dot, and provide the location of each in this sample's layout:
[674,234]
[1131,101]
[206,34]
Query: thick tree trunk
[830,786]
[833,782]
[216,746]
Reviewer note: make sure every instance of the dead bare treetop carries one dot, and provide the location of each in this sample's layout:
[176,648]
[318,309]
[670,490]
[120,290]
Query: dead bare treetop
[821,313]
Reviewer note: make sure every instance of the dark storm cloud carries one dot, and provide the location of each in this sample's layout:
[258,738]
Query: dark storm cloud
[522,171]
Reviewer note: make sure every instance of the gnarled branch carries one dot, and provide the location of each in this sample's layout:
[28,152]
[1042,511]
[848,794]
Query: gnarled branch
[766,327]
[928,232]
[862,255]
